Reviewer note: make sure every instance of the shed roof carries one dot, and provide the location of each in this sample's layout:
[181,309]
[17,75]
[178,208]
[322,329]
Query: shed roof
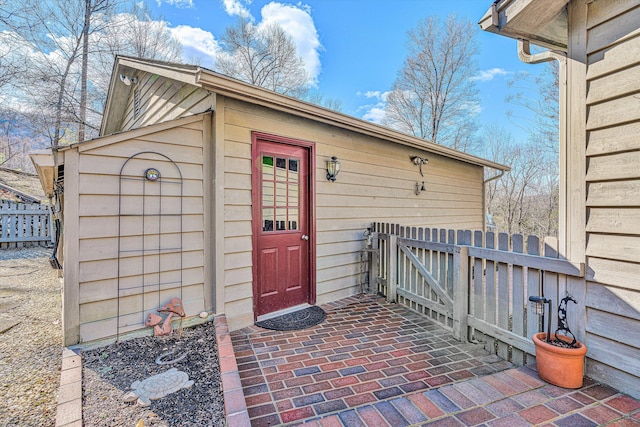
[233,88]
[20,186]
[542,22]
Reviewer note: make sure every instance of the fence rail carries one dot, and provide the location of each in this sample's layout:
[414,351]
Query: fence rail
[476,284]
[24,225]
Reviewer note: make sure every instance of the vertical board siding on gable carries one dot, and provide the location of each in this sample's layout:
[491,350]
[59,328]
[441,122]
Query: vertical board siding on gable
[99,169]
[162,100]
[376,183]
[613,188]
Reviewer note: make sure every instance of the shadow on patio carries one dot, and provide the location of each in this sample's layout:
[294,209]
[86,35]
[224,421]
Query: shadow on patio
[374,363]
[367,351]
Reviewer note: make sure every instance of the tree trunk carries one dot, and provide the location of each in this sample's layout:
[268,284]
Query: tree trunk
[85,66]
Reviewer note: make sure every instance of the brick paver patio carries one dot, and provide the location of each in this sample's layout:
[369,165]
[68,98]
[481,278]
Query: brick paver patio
[376,364]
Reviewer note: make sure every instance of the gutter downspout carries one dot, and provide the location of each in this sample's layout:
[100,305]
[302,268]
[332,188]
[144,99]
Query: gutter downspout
[525,55]
[484,197]
[502,172]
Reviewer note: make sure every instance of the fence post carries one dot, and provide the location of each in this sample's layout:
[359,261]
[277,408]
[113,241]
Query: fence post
[460,292]
[392,268]
[375,255]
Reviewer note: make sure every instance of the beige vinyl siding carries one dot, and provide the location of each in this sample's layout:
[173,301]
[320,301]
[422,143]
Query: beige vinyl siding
[376,183]
[98,245]
[613,193]
[155,99]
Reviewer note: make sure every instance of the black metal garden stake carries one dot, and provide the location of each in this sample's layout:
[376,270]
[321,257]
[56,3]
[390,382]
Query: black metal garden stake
[540,301]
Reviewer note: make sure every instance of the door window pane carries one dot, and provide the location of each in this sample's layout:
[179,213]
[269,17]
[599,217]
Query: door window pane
[267,219]
[280,193]
[293,219]
[293,195]
[267,167]
[268,197]
[281,169]
[281,217]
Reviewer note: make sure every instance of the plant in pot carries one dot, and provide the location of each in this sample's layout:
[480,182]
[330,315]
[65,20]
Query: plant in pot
[560,357]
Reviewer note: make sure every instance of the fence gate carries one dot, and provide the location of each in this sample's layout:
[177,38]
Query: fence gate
[24,225]
[477,284]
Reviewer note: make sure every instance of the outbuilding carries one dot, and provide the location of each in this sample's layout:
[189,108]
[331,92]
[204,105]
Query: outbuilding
[235,198]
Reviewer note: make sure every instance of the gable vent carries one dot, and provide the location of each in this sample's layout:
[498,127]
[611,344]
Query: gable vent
[136,103]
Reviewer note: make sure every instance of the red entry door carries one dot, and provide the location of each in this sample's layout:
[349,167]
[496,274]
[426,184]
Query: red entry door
[281,196]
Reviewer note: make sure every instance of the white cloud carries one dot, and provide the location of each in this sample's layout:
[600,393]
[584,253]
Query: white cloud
[184,4]
[197,43]
[487,75]
[375,94]
[375,115]
[473,108]
[297,22]
[374,112]
[236,8]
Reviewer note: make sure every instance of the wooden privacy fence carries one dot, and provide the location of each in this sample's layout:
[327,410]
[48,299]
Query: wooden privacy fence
[24,225]
[477,284]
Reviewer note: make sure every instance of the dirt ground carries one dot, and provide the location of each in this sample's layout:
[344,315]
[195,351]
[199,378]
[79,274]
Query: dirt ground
[30,338]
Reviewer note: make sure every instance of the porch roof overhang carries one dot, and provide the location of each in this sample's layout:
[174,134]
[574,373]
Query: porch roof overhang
[45,168]
[233,88]
[542,22]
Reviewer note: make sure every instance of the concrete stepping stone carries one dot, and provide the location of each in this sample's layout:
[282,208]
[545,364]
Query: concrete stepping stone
[157,386]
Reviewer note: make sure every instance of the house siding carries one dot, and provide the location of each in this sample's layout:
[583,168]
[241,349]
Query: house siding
[155,99]
[376,183]
[613,192]
[98,246]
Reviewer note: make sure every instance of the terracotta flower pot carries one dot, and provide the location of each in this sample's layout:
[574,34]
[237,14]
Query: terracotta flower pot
[559,366]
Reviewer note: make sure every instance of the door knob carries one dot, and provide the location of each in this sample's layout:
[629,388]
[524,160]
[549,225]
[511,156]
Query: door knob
[305,237]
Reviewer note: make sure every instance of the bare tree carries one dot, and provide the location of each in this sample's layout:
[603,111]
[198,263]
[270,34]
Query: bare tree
[54,31]
[317,98]
[263,56]
[91,8]
[16,140]
[524,200]
[540,95]
[133,32]
[137,32]
[68,47]
[11,67]
[434,96]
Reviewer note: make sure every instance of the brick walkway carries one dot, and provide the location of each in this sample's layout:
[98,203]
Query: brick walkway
[376,364]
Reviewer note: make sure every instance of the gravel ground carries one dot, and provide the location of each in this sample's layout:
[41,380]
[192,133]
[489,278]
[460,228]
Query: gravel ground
[109,371]
[31,349]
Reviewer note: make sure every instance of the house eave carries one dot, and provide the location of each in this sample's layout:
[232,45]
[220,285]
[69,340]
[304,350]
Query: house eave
[233,88]
[43,162]
[239,90]
[119,93]
[542,22]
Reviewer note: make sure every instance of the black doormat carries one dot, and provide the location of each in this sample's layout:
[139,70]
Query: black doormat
[300,319]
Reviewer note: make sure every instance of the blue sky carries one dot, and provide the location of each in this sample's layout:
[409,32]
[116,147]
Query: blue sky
[354,48]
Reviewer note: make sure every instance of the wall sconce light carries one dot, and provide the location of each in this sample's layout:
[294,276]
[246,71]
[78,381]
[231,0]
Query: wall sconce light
[128,81]
[333,168]
[419,161]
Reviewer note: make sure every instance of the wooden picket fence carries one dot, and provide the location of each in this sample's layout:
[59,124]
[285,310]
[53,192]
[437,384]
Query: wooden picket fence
[476,284]
[24,225]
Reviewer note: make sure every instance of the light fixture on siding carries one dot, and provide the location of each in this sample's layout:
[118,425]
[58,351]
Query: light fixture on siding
[419,161]
[333,168]
[128,81]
